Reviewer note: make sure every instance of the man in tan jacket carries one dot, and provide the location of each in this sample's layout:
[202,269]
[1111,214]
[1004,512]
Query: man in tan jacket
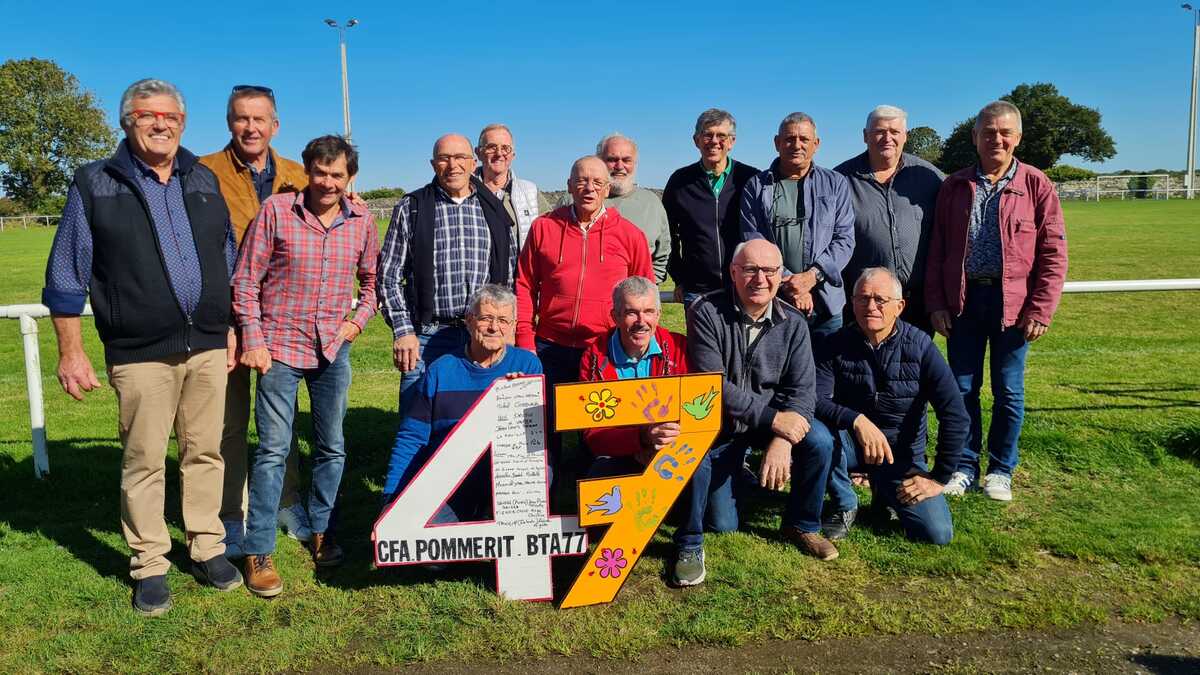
[248,172]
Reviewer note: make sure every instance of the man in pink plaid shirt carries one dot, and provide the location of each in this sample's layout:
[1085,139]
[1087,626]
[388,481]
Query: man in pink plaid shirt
[292,292]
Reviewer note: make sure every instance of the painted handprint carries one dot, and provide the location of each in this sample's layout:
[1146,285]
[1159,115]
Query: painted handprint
[644,517]
[648,401]
[701,406]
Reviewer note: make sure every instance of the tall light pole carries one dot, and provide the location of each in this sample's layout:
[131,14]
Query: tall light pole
[345,81]
[1191,158]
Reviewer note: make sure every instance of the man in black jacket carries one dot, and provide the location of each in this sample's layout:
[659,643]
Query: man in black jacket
[147,236]
[874,380]
[702,203]
[761,344]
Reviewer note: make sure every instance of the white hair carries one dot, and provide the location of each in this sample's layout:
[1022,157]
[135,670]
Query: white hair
[886,112]
[614,136]
[145,89]
[493,294]
[494,127]
[872,272]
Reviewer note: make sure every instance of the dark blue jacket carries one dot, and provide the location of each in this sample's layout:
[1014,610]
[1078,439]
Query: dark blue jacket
[704,228]
[891,385]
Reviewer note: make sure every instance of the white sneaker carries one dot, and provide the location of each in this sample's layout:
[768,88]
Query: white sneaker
[294,521]
[998,486]
[958,484]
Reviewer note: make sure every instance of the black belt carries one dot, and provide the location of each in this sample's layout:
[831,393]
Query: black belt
[984,281]
[453,323]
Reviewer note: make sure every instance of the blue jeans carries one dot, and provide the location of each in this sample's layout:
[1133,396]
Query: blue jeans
[471,501]
[435,340]
[970,335]
[274,412]
[711,498]
[927,521]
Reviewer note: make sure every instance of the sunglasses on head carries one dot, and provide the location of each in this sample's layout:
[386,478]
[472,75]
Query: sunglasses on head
[258,89]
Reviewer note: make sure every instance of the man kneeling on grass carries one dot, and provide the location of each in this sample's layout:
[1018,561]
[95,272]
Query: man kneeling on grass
[448,389]
[874,380]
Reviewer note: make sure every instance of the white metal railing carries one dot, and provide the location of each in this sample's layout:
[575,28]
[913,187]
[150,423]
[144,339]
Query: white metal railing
[11,222]
[28,315]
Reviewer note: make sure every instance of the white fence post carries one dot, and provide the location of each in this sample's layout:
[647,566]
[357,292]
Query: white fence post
[33,383]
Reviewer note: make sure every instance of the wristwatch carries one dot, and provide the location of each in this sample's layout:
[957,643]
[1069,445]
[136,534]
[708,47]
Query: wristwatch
[817,273]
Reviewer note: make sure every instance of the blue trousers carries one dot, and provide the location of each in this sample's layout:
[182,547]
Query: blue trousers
[927,521]
[711,499]
[971,334]
[274,412]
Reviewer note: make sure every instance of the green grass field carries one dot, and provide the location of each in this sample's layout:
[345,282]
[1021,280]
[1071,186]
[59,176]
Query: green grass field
[1103,527]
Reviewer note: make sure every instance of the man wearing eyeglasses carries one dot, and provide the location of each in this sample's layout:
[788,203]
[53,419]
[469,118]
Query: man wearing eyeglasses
[146,235]
[805,210]
[452,385]
[444,242]
[701,201]
[574,257]
[761,344]
[249,171]
[875,378]
[520,197]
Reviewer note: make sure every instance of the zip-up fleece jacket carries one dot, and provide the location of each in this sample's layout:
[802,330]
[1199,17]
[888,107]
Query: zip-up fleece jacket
[704,229]
[596,366]
[565,276]
[1033,246]
[775,374]
[237,187]
[892,385]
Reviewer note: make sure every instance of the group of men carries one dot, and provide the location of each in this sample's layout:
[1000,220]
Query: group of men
[814,291]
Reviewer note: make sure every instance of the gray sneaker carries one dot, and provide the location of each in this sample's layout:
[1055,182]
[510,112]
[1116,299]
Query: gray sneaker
[837,525]
[294,521]
[958,484]
[998,486]
[689,567]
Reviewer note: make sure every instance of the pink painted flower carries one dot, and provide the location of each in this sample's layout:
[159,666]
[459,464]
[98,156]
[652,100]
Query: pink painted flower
[611,561]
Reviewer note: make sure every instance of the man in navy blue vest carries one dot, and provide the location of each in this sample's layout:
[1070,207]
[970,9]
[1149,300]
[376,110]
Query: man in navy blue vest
[146,235]
[874,380]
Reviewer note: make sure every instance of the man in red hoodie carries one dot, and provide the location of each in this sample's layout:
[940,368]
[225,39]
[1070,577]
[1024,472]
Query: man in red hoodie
[636,347]
[572,259]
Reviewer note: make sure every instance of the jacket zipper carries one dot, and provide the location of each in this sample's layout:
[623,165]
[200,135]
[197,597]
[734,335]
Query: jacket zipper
[187,338]
[582,274]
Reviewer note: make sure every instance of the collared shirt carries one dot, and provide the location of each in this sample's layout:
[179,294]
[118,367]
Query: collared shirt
[716,181]
[294,281]
[629,367]
[983,233]
[462,244]
[588,225]
[754,327]
[174,231]
[263,180]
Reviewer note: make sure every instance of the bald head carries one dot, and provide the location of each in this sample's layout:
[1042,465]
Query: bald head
[589,161]
[757,250]
[756,271]
[588,186]
[453,164]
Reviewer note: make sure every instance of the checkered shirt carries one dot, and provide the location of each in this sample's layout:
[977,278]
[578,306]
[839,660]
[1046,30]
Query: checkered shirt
[294,281]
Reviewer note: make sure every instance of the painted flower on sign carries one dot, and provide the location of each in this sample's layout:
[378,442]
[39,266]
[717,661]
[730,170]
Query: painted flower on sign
[601,405]
[611,562]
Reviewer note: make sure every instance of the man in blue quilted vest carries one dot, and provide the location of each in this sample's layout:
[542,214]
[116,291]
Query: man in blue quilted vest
[874,380]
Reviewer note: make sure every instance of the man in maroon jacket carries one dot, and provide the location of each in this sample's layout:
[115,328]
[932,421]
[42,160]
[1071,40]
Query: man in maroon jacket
[636,347]
[995,272]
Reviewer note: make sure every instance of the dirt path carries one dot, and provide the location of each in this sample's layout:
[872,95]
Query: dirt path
[1169,647]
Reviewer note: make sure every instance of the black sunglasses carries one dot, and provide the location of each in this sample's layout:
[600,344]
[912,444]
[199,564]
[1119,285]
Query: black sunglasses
[258,89]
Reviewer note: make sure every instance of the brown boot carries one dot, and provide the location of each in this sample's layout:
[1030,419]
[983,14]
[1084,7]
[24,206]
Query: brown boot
[261,577]
[811,543]
[325,552]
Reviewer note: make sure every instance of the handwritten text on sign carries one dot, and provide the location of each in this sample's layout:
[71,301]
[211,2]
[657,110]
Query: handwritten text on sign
[523,536]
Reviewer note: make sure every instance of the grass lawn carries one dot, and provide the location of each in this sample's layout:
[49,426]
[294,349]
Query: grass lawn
[1103,527]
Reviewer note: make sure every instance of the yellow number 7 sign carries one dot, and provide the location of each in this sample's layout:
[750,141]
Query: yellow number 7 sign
[633,506]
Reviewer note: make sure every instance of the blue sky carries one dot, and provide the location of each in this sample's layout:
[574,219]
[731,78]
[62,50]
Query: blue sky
[563,74]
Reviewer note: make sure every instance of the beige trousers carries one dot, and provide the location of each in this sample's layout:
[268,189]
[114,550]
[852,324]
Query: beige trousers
[235,451]
[187,392]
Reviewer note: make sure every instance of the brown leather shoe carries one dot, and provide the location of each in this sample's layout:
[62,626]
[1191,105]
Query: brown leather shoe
[325,552]
[261,577]
[811,543]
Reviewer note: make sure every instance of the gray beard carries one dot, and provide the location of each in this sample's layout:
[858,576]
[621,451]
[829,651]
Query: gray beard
[619,187]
